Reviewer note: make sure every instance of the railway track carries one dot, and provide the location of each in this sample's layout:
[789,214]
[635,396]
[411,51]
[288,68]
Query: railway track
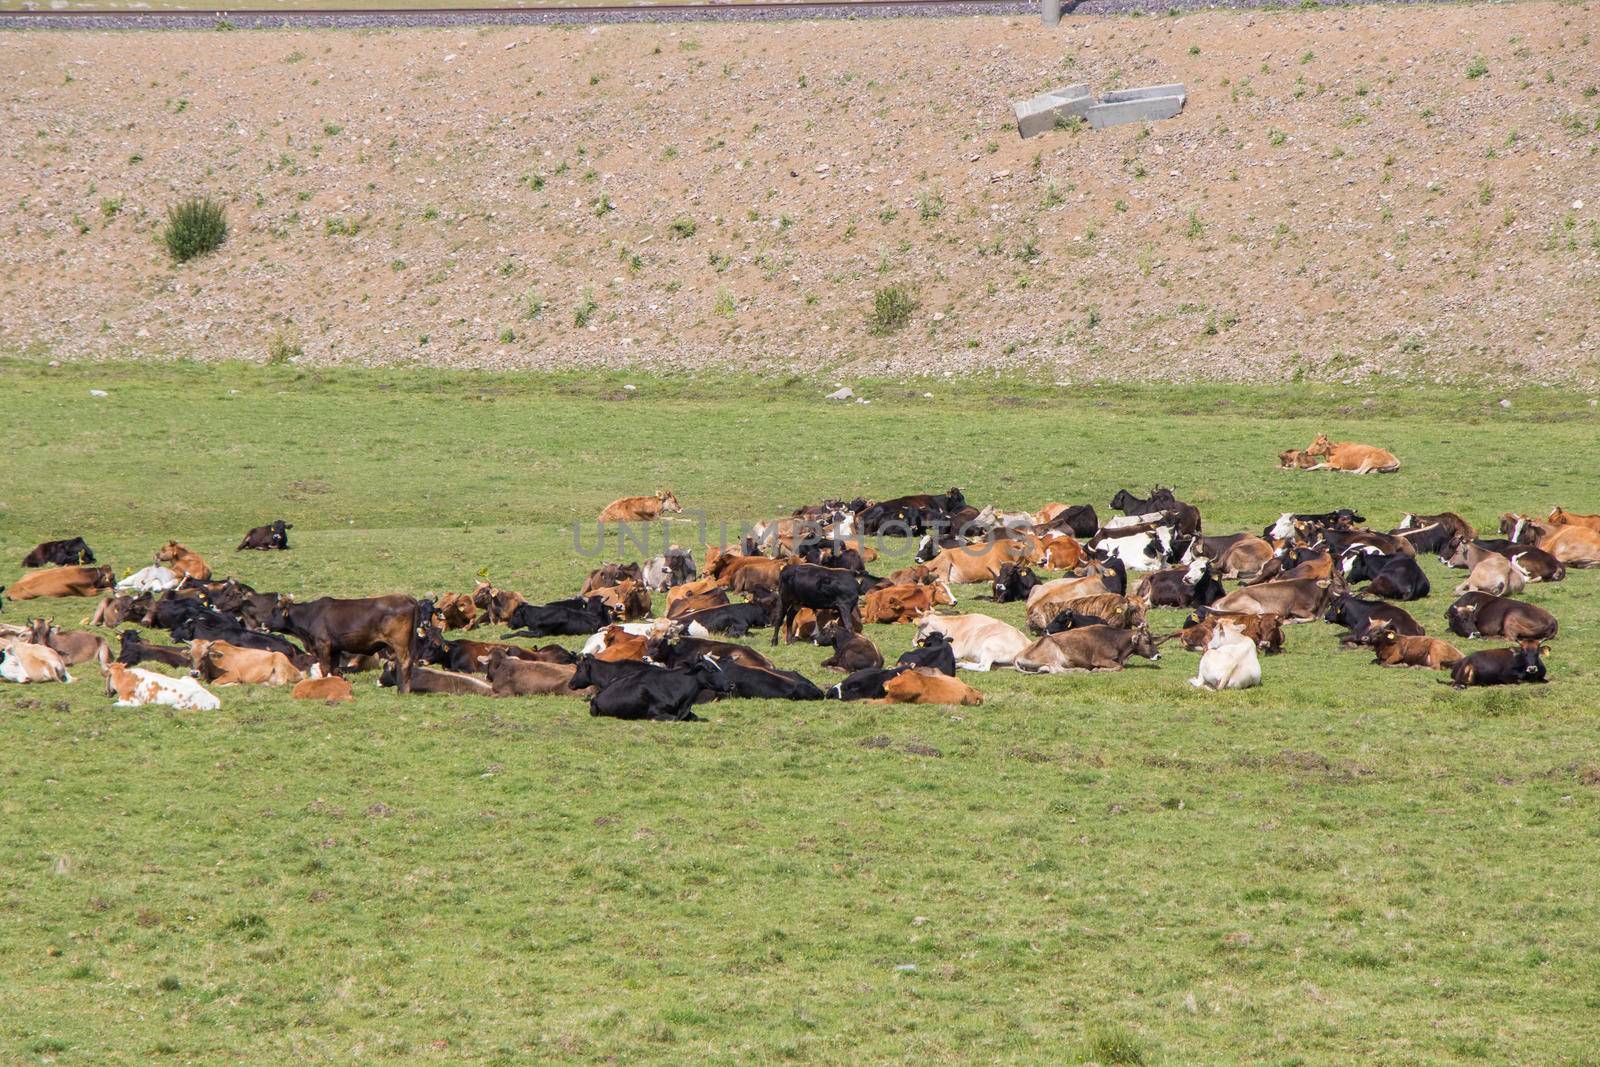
[355,18]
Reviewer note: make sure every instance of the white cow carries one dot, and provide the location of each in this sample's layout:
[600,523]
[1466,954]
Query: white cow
[1229,662]
[22,661]
[978,641]
[134,687]
[154,579]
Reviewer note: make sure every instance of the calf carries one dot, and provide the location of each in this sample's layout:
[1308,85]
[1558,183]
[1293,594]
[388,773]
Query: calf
[334,690]
[152,579]
[23,661]
[1501,666]
[1392,577]
[135,650]
[933,652]
[331,628]
[223,664]
[579,615]
[67,553]
[804,585]
[852,651]
[456,611]
[273,537]
[1229,662]
[135,687]
[922,686]
[640,508]
[510,675]
[61,582]
[645,691]
[1093,648]
[1392,650]
[182,562]
[495,605]
[864,684]
[1486,615]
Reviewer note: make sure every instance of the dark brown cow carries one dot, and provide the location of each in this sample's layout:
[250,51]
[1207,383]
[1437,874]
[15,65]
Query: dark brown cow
[73,646]
[68,553]
[1487,615]
[331,627]
[495,605]
[511,676]
[609,574]
[1265,630]
[273,537]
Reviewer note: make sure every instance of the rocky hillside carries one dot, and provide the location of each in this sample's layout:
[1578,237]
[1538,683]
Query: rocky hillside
[1410,191]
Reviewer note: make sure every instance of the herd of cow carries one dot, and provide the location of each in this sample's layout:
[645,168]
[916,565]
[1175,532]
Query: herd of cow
[807,577]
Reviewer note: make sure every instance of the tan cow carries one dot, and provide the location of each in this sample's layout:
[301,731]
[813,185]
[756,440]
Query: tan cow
[696,588]
[334,690]
[688,605]
[1493,573]
[495,605]
[23,661]
[223,664]
[1068,587]
[1352,458]
[1058,553]
[61,581]
[1090,648]
[1576,546]
[73,646]
[640,508]
[510,676]
[904,603]
[978,563]
[1297,460]
[923,686]
[630,598]
[1297,600]
[1116,610]
[183,562]
[617,644]
[978,641]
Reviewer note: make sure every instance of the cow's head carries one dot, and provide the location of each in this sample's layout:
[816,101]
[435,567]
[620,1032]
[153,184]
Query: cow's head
[711,675]
[668,501]
[1197,572]
[280,532]
[169,552]
[1145,645]
[942,594]
[1125,501]
[1321,446]
[1527,665]
[1454,554]
[104,578]
[954,501]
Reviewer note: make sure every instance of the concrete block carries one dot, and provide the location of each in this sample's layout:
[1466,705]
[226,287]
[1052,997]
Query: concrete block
[1148,109]
[1041,113]
[1117,96]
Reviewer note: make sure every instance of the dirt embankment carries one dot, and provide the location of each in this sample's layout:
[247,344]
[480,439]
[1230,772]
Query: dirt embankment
[1407,190]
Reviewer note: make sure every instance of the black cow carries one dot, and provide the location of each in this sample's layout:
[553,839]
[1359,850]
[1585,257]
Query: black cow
[234,634]
[1392,577]
[1068,619]
[683,651]
[1186,517]
[633,690]
[734,620]
[1501,666]
[1079,520]
[768,682]
[1360,616]
[864,685]
[71,552]
[934,651]
[332,628]
[575,615]
[911,514]
[1345,518]
[273,537]
[170,611]
[1013,583]
[804,585]
[1172,589]
[135,650]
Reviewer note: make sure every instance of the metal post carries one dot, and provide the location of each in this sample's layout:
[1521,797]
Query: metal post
[1050,12]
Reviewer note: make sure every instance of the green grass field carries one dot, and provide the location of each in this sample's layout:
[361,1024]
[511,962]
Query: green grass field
[1347,864]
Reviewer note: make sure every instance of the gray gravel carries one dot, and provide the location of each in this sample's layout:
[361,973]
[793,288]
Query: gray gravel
[551,16]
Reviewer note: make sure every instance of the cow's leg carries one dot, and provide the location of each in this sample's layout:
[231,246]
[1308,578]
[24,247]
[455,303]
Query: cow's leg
[779,618]
[325,658]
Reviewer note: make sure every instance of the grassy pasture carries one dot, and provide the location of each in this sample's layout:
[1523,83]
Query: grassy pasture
[1346,864]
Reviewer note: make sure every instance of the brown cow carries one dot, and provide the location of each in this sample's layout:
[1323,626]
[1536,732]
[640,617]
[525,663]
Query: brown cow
[331,627]
[1563,517]
[456,611]
[1241,557]
[182,562]
[904,603]
[114,611]
[1352,458]
[978,563]
[640,508]
[757,575]
[617,644]
[61,581]
[334,690]
[688,605]
[1088,648]
[923,686]
[1296,459]
[611,574]
[1058,553]
[1120,611]
[698,587]
[224,664]
[510,676]
[495,604]
[1265,630]
[73,646]
[430,680]
[628,598]
[1394,650]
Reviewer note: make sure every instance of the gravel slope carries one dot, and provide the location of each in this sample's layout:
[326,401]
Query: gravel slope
[1340,198]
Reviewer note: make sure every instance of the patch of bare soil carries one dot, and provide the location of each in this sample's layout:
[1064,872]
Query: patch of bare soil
[1408,190]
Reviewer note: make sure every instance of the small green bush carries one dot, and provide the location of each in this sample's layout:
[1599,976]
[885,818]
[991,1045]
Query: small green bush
[195,227]
[891,309]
